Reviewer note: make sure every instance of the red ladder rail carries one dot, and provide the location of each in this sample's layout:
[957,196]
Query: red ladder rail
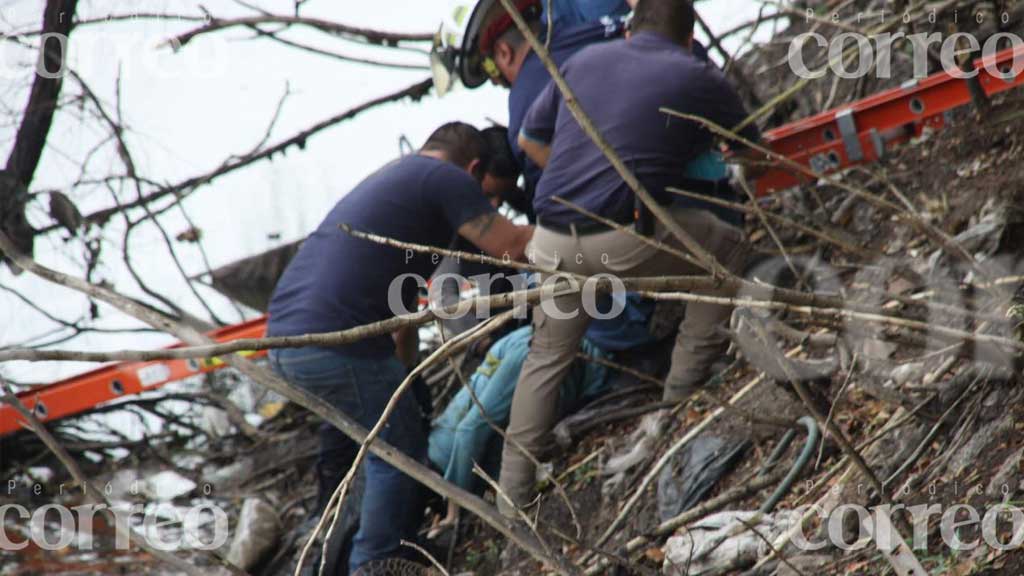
[83,392]
[864,131]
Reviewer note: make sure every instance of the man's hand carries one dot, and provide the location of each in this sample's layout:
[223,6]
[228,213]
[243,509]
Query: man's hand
[497,236]
[537,151]
[754,163]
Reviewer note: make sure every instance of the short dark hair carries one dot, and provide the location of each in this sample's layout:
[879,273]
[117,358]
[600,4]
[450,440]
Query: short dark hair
[671,18]
[460,142]
[502,162]
[514,37]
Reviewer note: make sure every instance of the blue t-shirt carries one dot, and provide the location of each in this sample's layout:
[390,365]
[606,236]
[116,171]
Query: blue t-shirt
[565,13]
[622,85]
[533,77]
[336,281]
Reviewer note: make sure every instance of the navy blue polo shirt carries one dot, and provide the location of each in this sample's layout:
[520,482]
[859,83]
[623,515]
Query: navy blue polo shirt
[336,281]
[622,85]
[533,77]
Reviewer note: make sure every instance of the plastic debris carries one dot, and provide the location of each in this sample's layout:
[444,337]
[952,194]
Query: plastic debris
[722,539]
[258,529]
[166,485]
[694,471]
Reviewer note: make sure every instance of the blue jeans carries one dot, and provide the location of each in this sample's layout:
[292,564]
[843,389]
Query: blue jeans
[392,508]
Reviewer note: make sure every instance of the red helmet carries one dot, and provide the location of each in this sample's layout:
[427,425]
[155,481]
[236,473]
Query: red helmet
[486,24]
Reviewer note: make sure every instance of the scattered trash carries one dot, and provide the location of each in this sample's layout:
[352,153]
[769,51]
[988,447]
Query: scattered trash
[637,449]
[723,539]
[904,374]
[257,530]
[693,472]
[166,486]
[215,422]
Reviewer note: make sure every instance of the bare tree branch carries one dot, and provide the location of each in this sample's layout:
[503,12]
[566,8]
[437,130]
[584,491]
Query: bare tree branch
[276,37]
[212,24]
[942,239]
[415,92]
[35,125]
[367,35]
[116,128]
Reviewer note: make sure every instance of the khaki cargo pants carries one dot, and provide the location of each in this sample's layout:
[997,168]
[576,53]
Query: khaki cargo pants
[555,342]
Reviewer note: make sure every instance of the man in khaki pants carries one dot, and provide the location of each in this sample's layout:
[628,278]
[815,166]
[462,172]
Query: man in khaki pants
[621,85]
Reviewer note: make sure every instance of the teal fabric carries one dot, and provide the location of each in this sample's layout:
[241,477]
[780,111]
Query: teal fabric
[461,435]
[708,166]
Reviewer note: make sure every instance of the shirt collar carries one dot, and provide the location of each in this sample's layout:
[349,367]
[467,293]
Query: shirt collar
[652,39]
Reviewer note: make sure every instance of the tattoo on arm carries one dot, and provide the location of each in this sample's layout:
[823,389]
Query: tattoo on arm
[481,224]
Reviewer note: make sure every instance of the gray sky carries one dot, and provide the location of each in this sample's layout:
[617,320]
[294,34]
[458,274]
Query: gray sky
[190,110]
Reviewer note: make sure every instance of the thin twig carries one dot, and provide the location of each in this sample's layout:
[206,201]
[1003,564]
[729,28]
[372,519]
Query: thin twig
[810,231]
[778,553]
[703,509]
[835,404]
[426,555]
[499,493]
[643,286]
[377,37]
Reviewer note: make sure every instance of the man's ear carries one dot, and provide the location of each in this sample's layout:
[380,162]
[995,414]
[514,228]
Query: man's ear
[475,169]
[503,54]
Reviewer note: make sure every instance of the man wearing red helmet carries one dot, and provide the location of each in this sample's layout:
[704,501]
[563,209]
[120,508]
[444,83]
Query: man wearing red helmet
[494,49]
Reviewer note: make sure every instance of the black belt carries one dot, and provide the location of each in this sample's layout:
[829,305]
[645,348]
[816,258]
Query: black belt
[590,226]
[583,227]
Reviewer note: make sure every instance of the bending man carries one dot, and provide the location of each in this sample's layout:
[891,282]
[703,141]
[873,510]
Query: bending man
[622,85]
[337,282]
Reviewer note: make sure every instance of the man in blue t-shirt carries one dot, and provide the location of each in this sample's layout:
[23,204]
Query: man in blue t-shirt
[494,49]
[622,85]
[336,282]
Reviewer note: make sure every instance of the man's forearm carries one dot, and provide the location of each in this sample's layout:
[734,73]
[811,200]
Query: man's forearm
[755,164]
[497,236]
[538,152]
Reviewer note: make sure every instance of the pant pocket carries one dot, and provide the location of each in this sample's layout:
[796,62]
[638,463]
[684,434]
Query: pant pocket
[344,397]
[331,379]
